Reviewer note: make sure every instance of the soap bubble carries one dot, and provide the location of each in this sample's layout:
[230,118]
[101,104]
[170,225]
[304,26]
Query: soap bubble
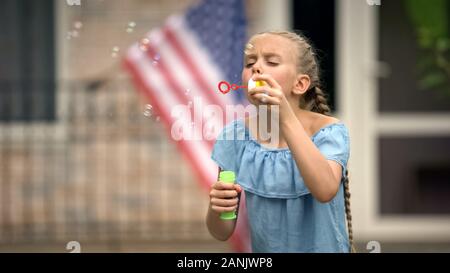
[115,51]
[144,44]
[148,111]
[130,27]
[78,25]
[75,33]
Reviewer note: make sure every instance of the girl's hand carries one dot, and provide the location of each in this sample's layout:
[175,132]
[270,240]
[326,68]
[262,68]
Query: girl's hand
[224,197]
[270,94]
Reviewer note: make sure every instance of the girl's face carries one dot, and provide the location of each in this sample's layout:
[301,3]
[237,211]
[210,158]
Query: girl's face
[274,55]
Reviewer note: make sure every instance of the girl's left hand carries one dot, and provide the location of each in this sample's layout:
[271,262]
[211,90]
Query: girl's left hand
[270,93]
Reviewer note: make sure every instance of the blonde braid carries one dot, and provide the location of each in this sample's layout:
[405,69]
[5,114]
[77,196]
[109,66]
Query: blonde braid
[320,102]
[348,212]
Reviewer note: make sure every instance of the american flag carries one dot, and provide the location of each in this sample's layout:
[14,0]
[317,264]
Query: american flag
[183,61]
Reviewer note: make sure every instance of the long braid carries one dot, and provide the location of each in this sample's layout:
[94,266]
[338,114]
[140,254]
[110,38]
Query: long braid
[348,211]
[320,102]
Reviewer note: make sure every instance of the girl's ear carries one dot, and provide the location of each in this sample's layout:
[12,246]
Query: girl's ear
[302,83]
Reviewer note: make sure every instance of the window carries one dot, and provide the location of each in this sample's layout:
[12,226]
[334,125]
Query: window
[414,169]
[316,20]
[27,61]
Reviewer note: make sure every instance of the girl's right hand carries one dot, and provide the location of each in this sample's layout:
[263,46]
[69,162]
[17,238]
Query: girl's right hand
[224,196]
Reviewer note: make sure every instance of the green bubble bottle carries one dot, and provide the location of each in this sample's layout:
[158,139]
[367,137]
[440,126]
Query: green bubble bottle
[227,177]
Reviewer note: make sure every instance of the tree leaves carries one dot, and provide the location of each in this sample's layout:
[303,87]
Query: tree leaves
[432,22]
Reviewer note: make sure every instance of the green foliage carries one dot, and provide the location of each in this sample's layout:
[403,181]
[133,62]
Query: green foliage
[431,20]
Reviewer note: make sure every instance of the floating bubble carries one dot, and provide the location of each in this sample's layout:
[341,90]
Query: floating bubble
[131,26]
[157,57]
[158,119]
[73,2]
[78,25]
[144,44]
[75,33]
[115,51]
[148,111]
[190,104]
[187,92]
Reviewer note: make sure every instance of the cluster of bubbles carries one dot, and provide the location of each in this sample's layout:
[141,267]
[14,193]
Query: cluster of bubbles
[115,52]
[75,32]
[73,2]
[148,112]
[144,44]
[131,26]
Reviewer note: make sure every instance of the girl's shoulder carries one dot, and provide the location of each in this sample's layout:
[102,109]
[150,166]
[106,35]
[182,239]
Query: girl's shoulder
[317,122]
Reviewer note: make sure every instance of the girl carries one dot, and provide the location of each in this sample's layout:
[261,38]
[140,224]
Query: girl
[294,195]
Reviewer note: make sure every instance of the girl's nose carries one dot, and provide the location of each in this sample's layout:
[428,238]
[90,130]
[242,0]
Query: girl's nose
[257,70]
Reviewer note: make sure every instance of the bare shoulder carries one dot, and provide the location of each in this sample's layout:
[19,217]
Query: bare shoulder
[318,121]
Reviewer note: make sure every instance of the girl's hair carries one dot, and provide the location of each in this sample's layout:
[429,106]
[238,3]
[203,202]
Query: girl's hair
[348,211]
[315,99]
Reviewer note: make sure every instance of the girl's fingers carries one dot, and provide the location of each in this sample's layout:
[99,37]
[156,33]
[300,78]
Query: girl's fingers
[261,90]
[224,202]
[261,93]
[223,193]
[265,99]
[223,186]
[268,79]
[223,209]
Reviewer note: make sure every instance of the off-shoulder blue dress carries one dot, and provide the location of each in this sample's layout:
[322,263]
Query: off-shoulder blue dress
[283,215]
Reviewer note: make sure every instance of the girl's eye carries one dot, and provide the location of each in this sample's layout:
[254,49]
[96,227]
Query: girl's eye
[249,65]
[272,63]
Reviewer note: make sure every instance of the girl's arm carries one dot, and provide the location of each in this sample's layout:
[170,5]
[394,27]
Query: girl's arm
[321,176]
[223,197]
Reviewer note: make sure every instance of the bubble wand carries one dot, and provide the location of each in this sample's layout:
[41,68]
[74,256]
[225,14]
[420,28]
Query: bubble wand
[228,87]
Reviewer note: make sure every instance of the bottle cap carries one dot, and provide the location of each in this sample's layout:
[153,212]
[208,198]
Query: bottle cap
[227,176]
[252,84]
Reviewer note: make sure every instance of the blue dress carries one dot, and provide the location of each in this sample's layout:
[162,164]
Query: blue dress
[283,215]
